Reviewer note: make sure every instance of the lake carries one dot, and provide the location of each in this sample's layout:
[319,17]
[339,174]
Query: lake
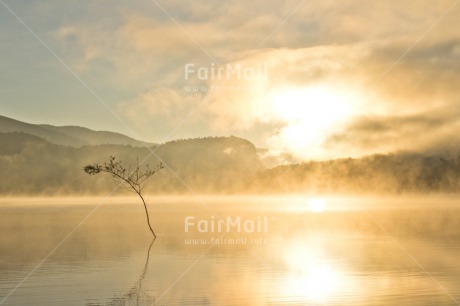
[296,250]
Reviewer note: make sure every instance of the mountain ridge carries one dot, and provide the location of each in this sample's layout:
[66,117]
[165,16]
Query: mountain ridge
[31,165]
[73,136]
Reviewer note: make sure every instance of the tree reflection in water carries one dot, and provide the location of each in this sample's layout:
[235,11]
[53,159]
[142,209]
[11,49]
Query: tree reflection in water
[135,296]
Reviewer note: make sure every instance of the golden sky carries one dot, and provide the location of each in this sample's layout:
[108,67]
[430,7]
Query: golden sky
[343,78]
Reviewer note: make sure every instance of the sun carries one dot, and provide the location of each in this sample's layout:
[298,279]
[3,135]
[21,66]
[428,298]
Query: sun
[316,205]
[318,105]
[309,114]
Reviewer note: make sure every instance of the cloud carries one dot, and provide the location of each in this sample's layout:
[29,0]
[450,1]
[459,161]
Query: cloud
[149,45]
[352,47]
[430,132]
[161,114]
[156,102]
[241,109]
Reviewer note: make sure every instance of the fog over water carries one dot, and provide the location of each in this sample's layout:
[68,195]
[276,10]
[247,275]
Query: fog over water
[316,250]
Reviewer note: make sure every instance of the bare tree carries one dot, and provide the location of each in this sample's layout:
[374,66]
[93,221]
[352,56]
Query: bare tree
[133,178]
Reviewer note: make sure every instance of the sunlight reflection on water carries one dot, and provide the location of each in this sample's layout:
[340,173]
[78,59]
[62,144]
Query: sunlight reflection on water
[315,252]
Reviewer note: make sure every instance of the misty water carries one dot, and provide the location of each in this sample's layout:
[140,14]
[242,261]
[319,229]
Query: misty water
[290,250]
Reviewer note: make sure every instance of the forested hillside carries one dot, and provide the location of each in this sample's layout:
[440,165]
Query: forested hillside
[32,165]
[391,173]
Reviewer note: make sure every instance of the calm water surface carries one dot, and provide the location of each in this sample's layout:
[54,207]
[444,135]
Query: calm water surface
[295,251]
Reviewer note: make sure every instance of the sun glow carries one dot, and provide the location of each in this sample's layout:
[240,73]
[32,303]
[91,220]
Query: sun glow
[309,114]
[319,105]
[316,283]
[316,204]
[311,277]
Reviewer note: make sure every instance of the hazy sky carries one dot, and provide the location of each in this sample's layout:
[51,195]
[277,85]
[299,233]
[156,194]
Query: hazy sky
[339,78]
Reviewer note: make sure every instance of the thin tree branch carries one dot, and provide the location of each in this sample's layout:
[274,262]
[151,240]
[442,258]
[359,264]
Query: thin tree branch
[135,179]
